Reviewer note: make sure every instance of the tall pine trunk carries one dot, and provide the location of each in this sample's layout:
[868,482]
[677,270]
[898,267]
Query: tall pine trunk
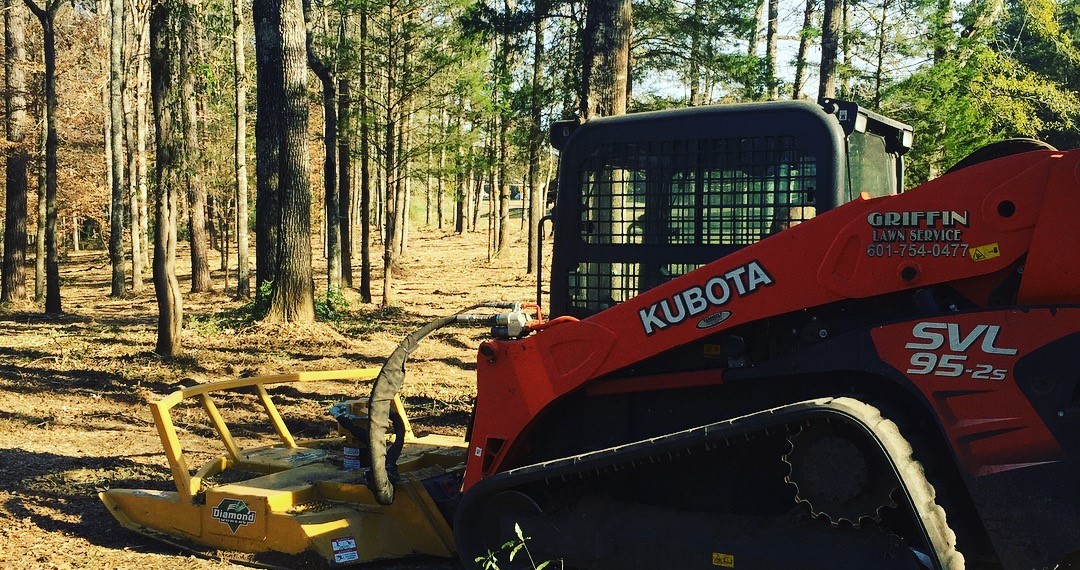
[331,203]
[772,82]
[268,124]
[116,122]
[243,274]
[128,94]
[39,254]
[198,236]
[47,17]
[13,286]
[606,58]
[142,95]
[830,34]
[536,142]
[292,296]
[879,69]
[345,173]
[392,239]
[165,77]
[331,200]
[365,164]
[804,42]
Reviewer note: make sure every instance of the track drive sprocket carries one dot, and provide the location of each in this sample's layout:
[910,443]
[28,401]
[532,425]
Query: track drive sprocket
[840,475]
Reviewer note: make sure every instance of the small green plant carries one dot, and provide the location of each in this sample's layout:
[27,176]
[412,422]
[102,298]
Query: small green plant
[490,561]
[261,302]
[331,308]
[203,326]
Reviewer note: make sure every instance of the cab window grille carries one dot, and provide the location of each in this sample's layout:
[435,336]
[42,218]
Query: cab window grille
[618,282]
[682,194]
[732,191]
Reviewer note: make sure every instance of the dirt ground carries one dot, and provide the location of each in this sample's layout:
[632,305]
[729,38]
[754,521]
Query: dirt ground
[74,389]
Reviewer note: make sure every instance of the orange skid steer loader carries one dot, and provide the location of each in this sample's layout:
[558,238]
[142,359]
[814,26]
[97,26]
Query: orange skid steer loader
[760,354]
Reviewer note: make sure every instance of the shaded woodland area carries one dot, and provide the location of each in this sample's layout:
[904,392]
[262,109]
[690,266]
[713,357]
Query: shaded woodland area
[276,131]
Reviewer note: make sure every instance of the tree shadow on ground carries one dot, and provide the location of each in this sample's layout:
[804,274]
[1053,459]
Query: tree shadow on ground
[37,380]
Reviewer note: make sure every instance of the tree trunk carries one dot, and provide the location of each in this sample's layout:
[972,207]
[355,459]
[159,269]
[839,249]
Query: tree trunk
[142,94]
[804,43]
[331,202]
[536,142]
[477,182]
[345,197]
[606,58]
[198,237]
[439,190]
[943,32]
[47,17]
[243,273]
[213,214]
[330,183]
[461,204]
[772,82]
[268,126]
[365,166]
[404,147]
[129,101]
[755,33]
[229,211]
[116,122]
[392,239]
[13,288]
[165,55]
[844,73]
[104,33]
[427,183]
[879,70]
[292,296]
[830,33]
[39,255]
[504,187]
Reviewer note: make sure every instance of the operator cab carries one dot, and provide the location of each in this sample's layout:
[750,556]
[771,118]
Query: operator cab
[647,197]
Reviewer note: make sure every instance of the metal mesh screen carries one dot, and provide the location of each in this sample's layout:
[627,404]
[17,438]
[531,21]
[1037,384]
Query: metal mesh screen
[706,192]
[617,282]
[723,191]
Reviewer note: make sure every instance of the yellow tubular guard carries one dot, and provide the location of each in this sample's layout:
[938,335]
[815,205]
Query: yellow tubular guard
[300,498]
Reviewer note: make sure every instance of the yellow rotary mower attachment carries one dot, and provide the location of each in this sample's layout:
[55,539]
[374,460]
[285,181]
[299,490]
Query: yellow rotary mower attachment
[294,495]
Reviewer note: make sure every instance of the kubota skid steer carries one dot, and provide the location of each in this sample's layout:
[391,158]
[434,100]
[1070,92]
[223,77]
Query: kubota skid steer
[760,356]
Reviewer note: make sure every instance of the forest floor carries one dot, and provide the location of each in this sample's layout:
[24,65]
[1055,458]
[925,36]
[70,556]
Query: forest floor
[74,389]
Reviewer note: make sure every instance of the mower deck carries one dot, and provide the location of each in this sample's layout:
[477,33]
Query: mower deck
[291,497]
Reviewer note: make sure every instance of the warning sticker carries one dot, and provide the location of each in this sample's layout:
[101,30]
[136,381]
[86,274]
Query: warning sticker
[984,252]
[344,549]
[723,560]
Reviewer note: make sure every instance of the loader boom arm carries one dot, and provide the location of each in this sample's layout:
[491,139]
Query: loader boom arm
[970,223]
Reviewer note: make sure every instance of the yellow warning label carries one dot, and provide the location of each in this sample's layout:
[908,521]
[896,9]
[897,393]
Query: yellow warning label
[713,351]
[723,560]
[984,252]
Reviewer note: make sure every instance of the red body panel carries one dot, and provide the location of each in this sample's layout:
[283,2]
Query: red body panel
[975,222]
[964,366]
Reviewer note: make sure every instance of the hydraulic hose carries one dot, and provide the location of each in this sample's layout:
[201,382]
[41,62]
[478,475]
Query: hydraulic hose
[387,384]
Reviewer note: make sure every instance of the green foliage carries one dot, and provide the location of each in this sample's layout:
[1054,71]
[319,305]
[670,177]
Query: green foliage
[229,320]
[511,548]
[989,90]
[699,41]
[203,325]
[331,308]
